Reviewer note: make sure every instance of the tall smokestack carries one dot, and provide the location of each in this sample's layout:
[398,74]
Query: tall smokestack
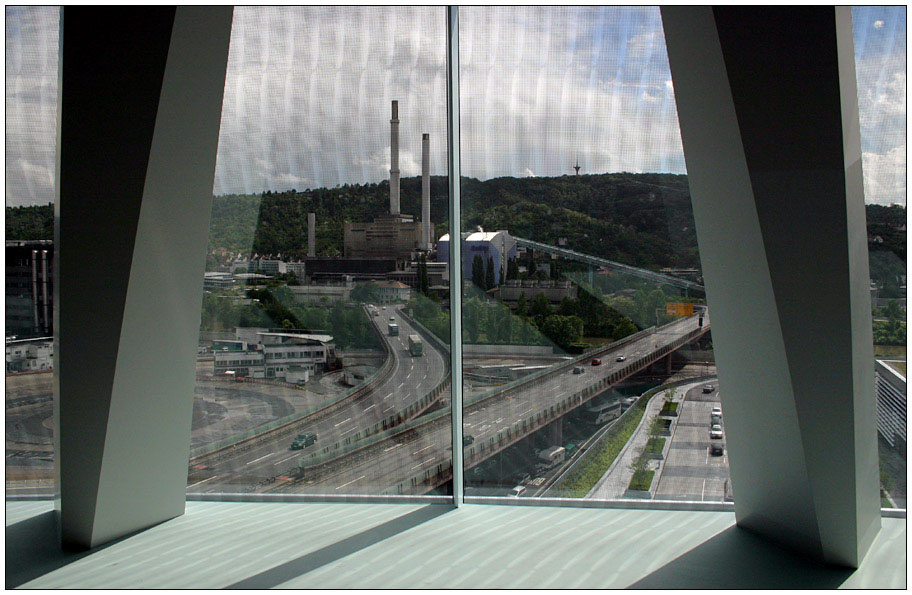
[311,234]
[426,191]
[394,160]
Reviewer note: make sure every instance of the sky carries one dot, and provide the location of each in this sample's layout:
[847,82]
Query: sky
[308,91]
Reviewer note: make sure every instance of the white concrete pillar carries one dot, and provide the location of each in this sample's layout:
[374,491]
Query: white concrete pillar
[769,122]
[141,95]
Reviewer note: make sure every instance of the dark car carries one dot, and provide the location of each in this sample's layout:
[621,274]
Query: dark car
[468,439]
[306,438]
[596,362]
[716,449]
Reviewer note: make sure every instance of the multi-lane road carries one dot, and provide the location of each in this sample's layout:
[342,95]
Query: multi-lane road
[403,463]
[409,379]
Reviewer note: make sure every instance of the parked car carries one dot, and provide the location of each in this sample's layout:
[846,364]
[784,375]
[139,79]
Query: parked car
[517,491]
[708,388]
[596,362]
[716,449]
[717,411]
[468,439]
[715,433]
[621,358]
[578,369]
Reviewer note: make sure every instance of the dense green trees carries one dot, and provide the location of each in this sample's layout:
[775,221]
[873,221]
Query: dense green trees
[365,293]
[30,223]
[275,308]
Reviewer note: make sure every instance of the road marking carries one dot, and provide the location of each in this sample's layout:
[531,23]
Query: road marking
[422,463]
[407,376]
[526,411]
[473,413]
[348,431]
[289,458]
[400,386]
[195,484]
[272,454]
[351,482]
[342,422]
[703,492]
[387,396]
[369,408]
[390,408]
[391,448]
[423,449]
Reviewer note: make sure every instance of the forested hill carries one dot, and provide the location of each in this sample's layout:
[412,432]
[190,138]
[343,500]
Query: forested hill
[640,219]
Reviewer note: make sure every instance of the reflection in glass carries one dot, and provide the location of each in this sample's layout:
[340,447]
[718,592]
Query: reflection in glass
[315,374]
[586,335]
[880,67]
[32,50]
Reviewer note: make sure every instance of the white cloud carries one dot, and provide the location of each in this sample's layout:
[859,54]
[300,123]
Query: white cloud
[885,176]
[878,24]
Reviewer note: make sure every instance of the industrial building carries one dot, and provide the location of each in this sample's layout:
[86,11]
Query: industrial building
[29,355]
[29,288]
[394,234]
[555,291]
[496,245]
[261,353]
[328,292]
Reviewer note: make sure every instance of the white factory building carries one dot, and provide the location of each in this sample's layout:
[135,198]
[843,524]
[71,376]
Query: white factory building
[268,354]
[29,355]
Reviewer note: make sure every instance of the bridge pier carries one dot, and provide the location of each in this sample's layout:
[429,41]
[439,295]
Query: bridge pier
[555,432]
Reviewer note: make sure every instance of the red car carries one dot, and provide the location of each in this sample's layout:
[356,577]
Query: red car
[596,362]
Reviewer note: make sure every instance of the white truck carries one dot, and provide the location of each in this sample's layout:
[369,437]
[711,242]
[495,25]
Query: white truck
[552,456]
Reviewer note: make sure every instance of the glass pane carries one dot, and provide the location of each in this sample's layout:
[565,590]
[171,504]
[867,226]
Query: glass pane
[586,337]
[314,373]
[32,50]
[880,64]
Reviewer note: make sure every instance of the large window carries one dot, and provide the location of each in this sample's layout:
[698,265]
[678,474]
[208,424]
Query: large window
[323,365]
[587,351]
[880,67]
[32,42]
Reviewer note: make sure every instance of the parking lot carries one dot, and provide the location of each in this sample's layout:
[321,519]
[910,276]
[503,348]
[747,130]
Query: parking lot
[691,472]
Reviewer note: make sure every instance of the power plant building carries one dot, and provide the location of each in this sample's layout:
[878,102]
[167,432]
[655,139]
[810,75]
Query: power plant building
[496,245]
[394,235]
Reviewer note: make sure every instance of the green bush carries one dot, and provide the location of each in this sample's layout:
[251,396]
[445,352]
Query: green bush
[655,446]
[641,480]
[669,407]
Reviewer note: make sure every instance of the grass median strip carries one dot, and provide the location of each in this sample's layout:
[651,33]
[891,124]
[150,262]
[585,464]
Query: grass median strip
[580,480]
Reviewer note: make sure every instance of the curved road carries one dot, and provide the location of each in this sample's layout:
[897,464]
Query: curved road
[413,454]
[410,379]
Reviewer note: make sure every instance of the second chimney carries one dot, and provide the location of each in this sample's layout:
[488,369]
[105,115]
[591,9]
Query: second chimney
[425,191]
[394,160]
[311,234]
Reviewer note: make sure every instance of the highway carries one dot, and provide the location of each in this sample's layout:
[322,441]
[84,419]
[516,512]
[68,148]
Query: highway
[410,379]
[415,461]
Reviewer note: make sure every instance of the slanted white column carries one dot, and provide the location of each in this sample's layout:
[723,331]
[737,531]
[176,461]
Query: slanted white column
[769,121]
[141,95]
